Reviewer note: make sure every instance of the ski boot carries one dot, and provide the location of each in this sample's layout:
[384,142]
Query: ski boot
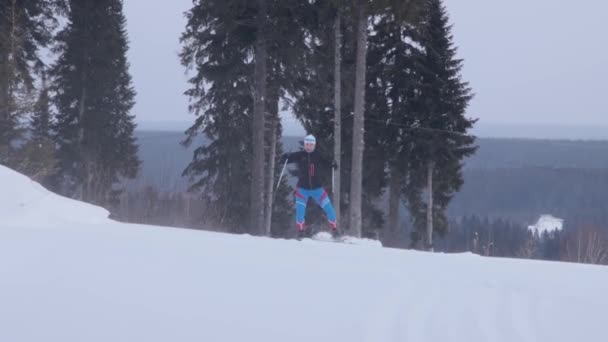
[302,232]
[333,228]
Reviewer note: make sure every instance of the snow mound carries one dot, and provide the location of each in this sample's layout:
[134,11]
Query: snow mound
[25,202]
[326,237]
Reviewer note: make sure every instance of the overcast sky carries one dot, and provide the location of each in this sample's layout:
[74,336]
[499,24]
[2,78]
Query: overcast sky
[528,61]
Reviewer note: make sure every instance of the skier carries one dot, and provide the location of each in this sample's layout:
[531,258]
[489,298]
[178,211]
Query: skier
[309,162]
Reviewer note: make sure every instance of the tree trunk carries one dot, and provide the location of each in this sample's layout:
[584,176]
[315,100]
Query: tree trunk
[13,29]
[5,117]
[337,116]
[259,109]
[84,157]
[273,116]
[7,75]
[393,203]
[356,184]
[4,88]
[429,209]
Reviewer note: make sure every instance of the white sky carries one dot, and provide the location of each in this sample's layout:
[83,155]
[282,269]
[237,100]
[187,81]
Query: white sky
[528,61]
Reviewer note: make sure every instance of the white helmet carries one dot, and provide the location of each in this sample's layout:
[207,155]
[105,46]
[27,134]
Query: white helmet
[310,139]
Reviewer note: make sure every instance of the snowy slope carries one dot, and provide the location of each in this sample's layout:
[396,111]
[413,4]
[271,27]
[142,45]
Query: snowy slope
[67,273]
[25,202]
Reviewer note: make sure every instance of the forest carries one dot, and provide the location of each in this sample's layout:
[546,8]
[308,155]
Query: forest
[378,82]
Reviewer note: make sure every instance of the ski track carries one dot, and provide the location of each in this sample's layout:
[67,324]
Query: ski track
[424,308]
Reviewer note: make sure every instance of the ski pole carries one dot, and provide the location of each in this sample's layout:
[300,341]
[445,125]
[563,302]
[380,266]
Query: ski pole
[282,172]
[274,194]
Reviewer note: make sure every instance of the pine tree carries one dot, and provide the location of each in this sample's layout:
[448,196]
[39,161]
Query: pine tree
[390,95]
[220,41]
[258,128]
[442,141]
[219,48]
[314,88]
[274,48]
[407,10]
[26,26]
[315,95]
[322,101]
[356,183]
[94,96]
[286,41]
[38,156]
[404,10]
[40,123]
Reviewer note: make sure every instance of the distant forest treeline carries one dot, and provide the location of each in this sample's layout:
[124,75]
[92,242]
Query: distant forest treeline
[521,194]
[510,179]
[509,183]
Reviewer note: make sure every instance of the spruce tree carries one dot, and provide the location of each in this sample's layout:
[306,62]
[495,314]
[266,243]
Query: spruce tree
[40,123]
[442,140]
[355,198]
[38,156]
[218,47]
[315,100]
[391,94]
[220,42]
[256,212]
[26,26]
[286,45]
[316,91]
[94,97]
[405,10]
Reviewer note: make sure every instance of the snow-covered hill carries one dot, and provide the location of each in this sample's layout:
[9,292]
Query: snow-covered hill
[547,223]
[67,273]
[26,203]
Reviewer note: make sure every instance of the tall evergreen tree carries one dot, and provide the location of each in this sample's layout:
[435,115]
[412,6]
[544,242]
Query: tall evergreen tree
[311,85]
[407,10]
[38,156]
[258,128]
[391,94]
[315,95]
[442,138]
[285,39]
[94,97]
[319,95]
[219,46]
[356,183]
[40,123]
[25,27]
[221,42]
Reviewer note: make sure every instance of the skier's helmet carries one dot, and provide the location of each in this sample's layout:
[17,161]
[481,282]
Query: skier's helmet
[309,143]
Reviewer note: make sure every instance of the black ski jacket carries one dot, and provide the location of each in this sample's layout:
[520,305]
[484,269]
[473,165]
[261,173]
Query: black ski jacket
[310,167]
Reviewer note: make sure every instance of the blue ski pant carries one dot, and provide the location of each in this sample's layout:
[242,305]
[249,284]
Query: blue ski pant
[320,196]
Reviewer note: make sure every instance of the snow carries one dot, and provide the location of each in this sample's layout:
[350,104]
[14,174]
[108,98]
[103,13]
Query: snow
[547,223]
[68,273]
[26,202]
[326,237]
